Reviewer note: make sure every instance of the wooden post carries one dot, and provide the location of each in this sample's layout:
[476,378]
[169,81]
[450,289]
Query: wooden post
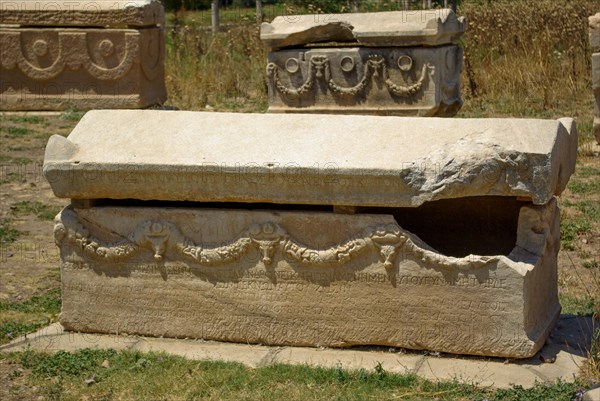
[406,4]
[259,14]
[215,16]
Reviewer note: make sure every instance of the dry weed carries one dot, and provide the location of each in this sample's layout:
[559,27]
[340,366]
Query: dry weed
[222,71]
[526,58]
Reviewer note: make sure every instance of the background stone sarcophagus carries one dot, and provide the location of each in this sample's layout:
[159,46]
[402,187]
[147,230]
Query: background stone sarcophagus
[448,243]
[387,63]
[594,21]
[88,54]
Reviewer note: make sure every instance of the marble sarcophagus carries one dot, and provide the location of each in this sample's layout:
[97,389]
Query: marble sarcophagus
[386,63]
[81,54]
[294,230]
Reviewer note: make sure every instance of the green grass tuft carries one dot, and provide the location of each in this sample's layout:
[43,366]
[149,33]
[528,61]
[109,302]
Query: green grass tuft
[42,309]
[579,306]
[27,119]
[141,376]
[72,115]
[540,392]
[8,234]
[76,364]
[16,132]
[41,210]
[571,229]
[584,187]
[47,303]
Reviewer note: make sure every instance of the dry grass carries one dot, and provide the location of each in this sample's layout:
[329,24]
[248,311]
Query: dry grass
[222,72]
[522,59]
[528,59]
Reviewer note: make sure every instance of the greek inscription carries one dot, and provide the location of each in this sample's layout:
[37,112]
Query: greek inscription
[461,282]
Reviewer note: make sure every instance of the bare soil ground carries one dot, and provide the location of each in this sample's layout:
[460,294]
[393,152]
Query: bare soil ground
[29,265]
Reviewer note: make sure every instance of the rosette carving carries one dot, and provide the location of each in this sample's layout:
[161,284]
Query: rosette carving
[69,49]
[319,67]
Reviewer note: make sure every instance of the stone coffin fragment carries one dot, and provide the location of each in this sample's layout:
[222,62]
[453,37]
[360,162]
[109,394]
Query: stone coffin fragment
[57,55]
[389,63]
[473,272]
[594,21]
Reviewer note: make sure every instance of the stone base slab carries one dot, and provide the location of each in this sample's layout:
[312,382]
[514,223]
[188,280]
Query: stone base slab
[382,81]
[61,68]
[303,279]
[566,348]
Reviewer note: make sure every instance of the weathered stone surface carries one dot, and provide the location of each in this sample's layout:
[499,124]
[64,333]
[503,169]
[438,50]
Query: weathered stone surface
[302,278]
[384,81]
[596,89]
[308,159]
[113,13]
[53,69]
[404,63]
[592,394]
[84,55]
[381,29]
[594,22]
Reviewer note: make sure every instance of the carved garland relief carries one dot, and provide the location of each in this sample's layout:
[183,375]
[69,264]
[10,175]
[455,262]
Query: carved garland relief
[82,49]
[161,236]
[319,67]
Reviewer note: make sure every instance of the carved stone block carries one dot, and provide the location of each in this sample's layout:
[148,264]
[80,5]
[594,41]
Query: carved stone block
[399,81]
[596,89]
[594,26]
[308,279]
[55,68]
[390,63]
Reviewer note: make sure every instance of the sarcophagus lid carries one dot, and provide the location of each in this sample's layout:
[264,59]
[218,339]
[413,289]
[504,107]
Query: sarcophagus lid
[113,13]
[308,159]
[381,29]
